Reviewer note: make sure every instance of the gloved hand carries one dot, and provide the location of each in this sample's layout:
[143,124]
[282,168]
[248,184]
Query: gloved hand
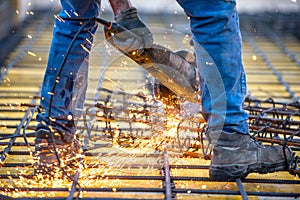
[129,19]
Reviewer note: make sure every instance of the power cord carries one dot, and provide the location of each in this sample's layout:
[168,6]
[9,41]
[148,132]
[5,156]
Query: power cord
[52,95]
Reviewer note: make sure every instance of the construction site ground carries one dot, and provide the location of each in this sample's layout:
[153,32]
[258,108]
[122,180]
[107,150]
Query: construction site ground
[128,157]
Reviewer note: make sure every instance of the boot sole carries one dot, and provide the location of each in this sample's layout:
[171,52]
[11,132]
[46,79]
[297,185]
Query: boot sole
[232,173]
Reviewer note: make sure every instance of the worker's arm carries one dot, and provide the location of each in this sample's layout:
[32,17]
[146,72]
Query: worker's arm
[127,16]
[119,5]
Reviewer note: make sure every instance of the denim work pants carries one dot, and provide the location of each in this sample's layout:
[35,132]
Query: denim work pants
[217,40]
[69,94]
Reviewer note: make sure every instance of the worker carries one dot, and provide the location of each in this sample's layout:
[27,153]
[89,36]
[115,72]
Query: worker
[217,43]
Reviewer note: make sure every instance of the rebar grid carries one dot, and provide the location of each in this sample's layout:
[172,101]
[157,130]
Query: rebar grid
[270,121]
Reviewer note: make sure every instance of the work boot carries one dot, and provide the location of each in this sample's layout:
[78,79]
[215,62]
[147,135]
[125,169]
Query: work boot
[236,155]
[53,153]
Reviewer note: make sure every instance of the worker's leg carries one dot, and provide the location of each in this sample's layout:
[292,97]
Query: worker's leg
[216,30]
[217,42]
[64,87]
[64,102]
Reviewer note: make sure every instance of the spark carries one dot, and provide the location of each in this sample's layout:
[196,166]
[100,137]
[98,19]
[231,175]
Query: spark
[31,53]
[89,41]
[69,117]
[100,113]
[59,18]
[133,53]
[67,13]
[84,48]
[209,63]
[7,80]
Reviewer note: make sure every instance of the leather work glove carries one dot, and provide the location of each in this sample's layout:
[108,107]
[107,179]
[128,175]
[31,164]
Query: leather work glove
[124,40]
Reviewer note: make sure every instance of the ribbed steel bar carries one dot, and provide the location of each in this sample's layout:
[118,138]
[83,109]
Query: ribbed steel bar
[275,120]
[162,178]
[14,136]
[231,192]
[142,155]
[167,177]
[273,130]
[9,136]
[241,189]
[276,141]
[247,180]
[73,188]
[154,190]
[36,189]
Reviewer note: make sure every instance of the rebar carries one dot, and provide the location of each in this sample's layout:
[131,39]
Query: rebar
[241,189]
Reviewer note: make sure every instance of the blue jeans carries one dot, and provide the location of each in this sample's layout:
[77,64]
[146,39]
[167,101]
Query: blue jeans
[69,94]
[217,40]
